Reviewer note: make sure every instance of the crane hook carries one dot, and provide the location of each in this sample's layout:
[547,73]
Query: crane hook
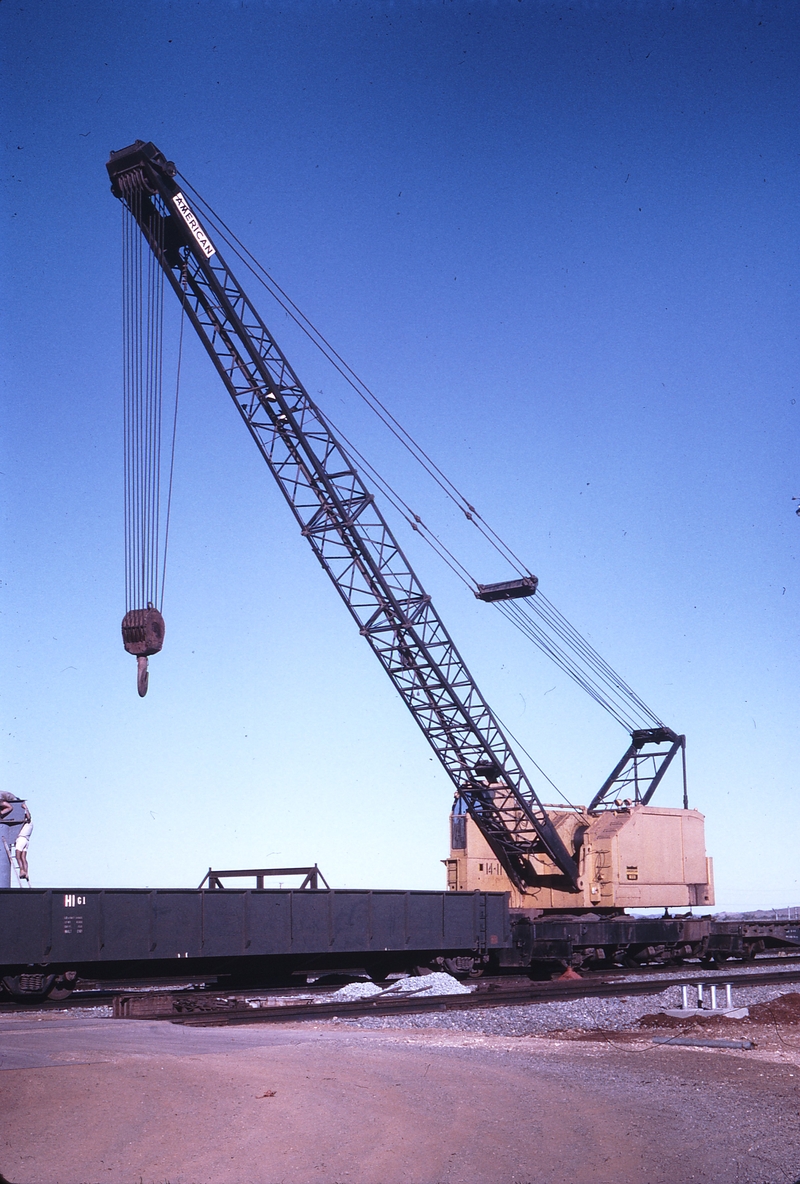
[142,636]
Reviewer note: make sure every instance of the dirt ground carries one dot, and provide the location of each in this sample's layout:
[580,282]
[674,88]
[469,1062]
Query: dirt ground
[135,1102]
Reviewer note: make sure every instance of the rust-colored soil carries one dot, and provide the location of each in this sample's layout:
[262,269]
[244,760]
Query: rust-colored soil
[784,1010]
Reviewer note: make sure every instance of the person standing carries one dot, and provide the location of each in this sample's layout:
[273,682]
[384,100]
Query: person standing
[15,833]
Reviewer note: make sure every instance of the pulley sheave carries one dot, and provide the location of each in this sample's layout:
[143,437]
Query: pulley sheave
[143,636]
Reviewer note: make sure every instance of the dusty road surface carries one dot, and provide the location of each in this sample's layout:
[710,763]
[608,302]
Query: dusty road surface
[133,1102]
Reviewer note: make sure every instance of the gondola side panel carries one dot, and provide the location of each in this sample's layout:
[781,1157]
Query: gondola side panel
[25,926]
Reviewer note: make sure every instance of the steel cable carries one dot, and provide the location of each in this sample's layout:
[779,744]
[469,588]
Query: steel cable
[172,456]
[568,664]
[552,633]
[358,385]
[143,334]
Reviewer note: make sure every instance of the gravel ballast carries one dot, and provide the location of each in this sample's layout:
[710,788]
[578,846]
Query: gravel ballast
[605,1014]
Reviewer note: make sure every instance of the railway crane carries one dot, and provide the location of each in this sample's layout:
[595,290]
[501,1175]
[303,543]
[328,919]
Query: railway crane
[620,850]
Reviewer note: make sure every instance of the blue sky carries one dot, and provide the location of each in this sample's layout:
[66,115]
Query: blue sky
[559,240]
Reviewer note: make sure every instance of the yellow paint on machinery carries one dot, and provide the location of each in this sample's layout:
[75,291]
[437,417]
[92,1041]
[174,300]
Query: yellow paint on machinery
[630,856]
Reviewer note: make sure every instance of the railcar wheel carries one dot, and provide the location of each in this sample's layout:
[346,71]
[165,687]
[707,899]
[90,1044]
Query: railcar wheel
[458,967]
[63,986]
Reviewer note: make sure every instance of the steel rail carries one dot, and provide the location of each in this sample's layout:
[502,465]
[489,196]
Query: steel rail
[500,987]
[234,1010]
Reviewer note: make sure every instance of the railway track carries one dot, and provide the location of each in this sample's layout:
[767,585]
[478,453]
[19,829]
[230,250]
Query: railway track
[197,1001]
[207,1009]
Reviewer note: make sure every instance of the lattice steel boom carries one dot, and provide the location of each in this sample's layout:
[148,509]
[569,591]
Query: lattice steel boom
[338,515]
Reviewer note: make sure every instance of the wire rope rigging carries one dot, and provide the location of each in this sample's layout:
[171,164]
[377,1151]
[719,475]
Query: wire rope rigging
[535,616]
[146,521]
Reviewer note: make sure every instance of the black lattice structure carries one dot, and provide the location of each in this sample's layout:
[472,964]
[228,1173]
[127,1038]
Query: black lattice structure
[338,515]
[311,877]
[638,775]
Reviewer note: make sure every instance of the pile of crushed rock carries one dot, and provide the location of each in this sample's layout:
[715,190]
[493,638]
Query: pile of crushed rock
[437,983]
